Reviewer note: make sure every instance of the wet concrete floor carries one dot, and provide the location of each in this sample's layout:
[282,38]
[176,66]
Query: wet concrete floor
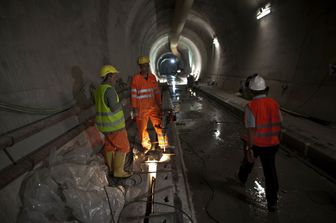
[212,152]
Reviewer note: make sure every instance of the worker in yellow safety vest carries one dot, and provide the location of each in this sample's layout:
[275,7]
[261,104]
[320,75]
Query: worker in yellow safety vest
[111,122]
[146,101]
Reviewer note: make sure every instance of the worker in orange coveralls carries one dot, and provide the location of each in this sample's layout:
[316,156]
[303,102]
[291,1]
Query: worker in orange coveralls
[146,102]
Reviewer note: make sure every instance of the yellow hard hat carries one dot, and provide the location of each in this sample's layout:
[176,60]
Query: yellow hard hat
[143,60]
[107,69]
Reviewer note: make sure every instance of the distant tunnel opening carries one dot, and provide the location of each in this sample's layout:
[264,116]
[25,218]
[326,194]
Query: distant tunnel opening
[167,66]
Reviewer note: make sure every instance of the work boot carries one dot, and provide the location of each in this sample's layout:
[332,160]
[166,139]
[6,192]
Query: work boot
[109,156]
[146,147]
[118,165]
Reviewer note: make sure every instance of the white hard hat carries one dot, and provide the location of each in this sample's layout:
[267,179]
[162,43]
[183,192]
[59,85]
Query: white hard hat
[257,84]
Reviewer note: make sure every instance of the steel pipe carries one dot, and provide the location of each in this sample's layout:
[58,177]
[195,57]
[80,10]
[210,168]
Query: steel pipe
[182,8]
[17,135]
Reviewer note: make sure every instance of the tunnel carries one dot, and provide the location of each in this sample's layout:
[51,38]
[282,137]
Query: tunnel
[203,55]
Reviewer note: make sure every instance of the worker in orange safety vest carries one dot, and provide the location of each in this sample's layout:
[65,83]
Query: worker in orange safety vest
[262,119]
[146,103]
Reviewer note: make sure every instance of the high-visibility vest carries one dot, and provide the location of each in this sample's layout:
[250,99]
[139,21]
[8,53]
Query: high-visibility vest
[106,120]
[268,121]
[145,93]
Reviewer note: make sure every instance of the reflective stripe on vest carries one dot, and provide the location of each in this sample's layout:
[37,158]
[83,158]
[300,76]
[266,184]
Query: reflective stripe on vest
[268,123]
[144,96]
[106,120]
[145,92]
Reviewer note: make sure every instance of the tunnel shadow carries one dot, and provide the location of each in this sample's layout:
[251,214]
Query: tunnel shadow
[81,89]
[233,188]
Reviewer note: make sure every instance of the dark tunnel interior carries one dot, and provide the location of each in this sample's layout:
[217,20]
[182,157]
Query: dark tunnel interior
[200,51]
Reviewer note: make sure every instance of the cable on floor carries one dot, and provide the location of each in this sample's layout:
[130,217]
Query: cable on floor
[204,179]
[108,200]
[159,203]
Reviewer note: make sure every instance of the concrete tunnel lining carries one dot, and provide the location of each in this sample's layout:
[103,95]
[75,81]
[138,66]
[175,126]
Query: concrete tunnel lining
[230,20]
[284,85]
[45,44]
[159,48]
[200,46]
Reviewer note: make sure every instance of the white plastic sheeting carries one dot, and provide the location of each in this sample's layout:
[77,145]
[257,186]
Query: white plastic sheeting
[71,187]
[41,199]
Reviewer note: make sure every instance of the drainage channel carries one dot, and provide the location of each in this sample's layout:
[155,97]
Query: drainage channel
[160,187]
[150,199]
[167,188]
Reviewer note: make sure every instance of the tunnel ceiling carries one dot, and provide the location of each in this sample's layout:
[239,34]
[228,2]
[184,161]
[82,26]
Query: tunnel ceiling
[205,21]
[292,48]
[293,32]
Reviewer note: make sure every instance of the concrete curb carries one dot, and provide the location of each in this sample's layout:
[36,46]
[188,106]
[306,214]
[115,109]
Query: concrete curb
[317,154]
[184,194]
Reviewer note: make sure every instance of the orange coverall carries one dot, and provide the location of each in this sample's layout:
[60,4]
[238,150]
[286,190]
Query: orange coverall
[146,99]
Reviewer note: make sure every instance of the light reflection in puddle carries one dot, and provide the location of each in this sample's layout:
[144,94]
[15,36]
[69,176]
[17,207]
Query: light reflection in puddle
[217,134]
[257,193]
[260,190]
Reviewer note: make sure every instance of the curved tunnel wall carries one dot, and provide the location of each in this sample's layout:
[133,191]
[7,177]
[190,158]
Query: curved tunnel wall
[50,48]
[292,48]
[44,46]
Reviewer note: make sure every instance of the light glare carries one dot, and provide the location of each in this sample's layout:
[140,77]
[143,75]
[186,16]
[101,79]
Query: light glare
[152,166]
[165,158]
[215,42]
[260,189]
[262,12]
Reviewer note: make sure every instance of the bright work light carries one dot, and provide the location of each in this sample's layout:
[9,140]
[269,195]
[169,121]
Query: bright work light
[262,12]
[215,42]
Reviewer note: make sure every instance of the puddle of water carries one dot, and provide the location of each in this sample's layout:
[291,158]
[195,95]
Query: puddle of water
[257,193]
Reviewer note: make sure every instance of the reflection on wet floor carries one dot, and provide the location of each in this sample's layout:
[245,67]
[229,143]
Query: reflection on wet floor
[258,193]
[209,137]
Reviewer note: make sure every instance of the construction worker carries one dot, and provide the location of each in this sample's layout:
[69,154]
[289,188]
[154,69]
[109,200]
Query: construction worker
[262,121]
[111,122]
[146,102]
